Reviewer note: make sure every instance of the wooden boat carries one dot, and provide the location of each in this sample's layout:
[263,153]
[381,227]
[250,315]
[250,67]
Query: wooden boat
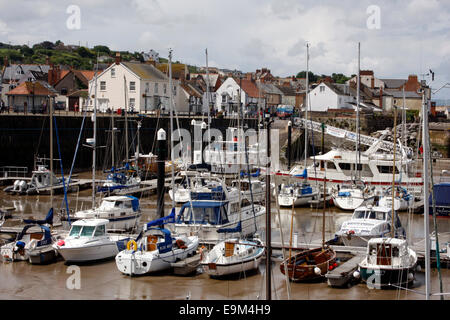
[310,264]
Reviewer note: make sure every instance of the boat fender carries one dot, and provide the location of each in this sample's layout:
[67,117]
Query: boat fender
[201,252]
[317,271]
[61,243]
[132,243]
[418,268]
[356,274]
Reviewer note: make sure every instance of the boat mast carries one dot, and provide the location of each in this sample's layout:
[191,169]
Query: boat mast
[393,174]
[51,150]
[171,124]
[209,104]
[268,217]
[112,140]
[357,113]
[94,119]
[306,102]
[126,119]
[426,193]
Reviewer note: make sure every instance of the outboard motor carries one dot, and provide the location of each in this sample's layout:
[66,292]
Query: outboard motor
[16,185]
[22,185]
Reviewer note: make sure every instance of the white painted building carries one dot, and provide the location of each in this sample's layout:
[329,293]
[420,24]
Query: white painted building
[227,96]
[331,96]
[147,89]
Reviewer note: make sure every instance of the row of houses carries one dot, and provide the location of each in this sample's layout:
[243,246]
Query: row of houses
[144,87]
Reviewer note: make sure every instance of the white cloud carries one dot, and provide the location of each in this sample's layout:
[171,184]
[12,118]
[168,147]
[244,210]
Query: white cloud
[248,35]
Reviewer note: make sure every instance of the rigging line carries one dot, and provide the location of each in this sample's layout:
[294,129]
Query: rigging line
[40,136]
[282,242]
[426,203]
[62,171]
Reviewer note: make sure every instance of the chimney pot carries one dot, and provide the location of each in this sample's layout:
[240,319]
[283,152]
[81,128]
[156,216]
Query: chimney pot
[118,58]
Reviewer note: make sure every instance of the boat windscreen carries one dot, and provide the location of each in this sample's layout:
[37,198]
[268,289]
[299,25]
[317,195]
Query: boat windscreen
[75,231]
[359,215]
[87,231]
[106,204]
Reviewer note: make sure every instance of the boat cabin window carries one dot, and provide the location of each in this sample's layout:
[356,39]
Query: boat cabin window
[75,231]
[106,204]
[386,169]
[330,165]
[118,204]
[395,252]
[100,231]
[87,231]
[359,215]
[127,204]
[345,166]
[369,215]
[384,253]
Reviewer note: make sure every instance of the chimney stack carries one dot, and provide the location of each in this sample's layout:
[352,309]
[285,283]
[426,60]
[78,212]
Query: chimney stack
[118,59]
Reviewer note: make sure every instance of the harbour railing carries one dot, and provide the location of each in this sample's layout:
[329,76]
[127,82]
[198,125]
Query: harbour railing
[12,171]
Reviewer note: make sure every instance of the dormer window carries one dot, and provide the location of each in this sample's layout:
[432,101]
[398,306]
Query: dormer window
[322,88]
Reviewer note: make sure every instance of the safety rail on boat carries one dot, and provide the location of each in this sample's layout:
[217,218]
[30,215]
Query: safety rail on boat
[12,171]
[352,136]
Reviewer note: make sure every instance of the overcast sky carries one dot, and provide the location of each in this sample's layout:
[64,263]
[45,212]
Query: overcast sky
[410,37]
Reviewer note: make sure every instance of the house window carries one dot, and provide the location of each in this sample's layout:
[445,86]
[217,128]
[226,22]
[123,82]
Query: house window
[102,85]
[165,88]
[147,87]
[132,86]
[322,88]
[132,103]
[156,87]
[174,90]
[64,91]
[224,98]
[113,73]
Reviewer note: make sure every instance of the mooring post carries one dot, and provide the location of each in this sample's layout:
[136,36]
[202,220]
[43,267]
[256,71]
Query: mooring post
[289,144]
[161,150]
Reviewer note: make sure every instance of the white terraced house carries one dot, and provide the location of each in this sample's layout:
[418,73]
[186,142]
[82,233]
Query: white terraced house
[147,89]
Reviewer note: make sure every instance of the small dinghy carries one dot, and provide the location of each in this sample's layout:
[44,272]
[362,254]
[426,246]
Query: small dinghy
[309,264]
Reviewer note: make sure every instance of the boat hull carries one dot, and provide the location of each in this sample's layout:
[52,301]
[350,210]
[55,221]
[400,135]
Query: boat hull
[351,203]
[300,269]
[131,262]
[218,270]
[384,277]
[44,256]
[88,253]
[286,201]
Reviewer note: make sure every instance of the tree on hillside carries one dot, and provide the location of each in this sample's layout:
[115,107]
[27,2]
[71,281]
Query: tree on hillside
[44,45]
[102,50]
[85,52]
[339,78]
[311,76]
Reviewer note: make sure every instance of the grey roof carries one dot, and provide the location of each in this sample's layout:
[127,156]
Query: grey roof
[145,71]
[346,90]
[399,94]
[11,71]
[269,88]
[393,83]
[287,90]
